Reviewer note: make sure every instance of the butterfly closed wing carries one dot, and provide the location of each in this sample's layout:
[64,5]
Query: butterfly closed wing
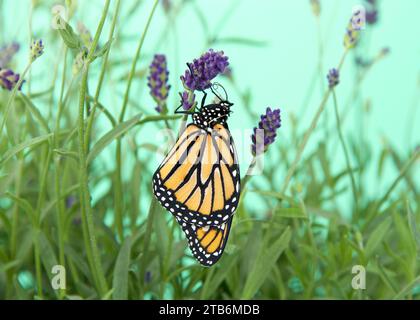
[207,242]
[199,181]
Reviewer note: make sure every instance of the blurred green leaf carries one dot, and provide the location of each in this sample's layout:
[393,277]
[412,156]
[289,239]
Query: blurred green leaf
[35,112]
[293,213]
[112,135]
[22,146]
[263,265]
[120,278]
[102,50]
[70,38]
[377,237]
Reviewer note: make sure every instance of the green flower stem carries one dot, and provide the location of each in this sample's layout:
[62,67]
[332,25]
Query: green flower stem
[147,236]
[86,210]
[118,195]
[248,173]
[37,226]
[15,215]
[37,254]
[309,132]
[346,153]
[13,95]
[57,174]
[101,77]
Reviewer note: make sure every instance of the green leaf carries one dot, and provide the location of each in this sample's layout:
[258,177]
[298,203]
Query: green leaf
[68,154]
[413,226]
[48,257]
[35,112]
[264,264]
[23,204]
[115,133]
[215,280]
[120,279]
[377,237]
[102,50]
[293,213]
[70,38]
[407,289]
[159,118]
[22,146]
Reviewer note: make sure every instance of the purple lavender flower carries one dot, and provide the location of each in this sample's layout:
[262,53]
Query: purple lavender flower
[201,71]
[265,134]
[7,52]
[158,81]
[333,77]
[8,79]
[187,100]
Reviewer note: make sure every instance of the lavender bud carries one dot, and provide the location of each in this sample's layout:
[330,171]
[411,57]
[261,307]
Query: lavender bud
[37,49]
[353,30]
[316,7]
[333,77]
[158,81]
[187,100]
[265,134]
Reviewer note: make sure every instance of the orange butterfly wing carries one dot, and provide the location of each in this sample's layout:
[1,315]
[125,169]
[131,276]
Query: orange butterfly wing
[199,179]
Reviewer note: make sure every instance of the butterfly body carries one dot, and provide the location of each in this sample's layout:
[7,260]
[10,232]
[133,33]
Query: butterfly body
[198,182]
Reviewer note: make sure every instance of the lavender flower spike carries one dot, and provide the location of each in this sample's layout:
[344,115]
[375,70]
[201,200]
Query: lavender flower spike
[353,29]
[8,79]
[158,81]
[7,52]
[265,134]
[201,71]
[37,49]
[333,77]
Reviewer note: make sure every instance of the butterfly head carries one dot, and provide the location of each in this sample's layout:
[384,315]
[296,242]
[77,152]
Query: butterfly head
[215,113]
[212,114]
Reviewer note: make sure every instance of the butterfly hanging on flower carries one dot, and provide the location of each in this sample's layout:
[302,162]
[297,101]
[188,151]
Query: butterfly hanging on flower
[198,181]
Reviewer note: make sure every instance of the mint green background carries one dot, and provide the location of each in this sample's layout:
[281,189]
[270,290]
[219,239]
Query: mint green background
[277,74]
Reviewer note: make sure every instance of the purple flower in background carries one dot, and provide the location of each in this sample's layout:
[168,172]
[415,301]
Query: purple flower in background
[8,79]
[187,100]
[201,71]
[158,81]
[316,7]
[371,12]
[7,52]
[265,134]
[70,201]
[167,5]
[227,73]
[148,277]
[333,77]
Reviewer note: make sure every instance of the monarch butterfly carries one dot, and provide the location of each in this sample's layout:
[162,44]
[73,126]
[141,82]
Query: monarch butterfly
[199,180]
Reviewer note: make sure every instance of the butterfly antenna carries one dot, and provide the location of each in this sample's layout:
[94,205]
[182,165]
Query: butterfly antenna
[216,86]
